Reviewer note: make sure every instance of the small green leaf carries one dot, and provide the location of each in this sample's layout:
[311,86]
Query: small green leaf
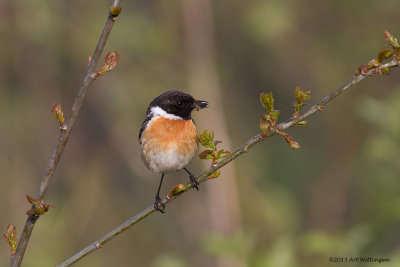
[385,71]
[267,100]
[301,96]
[222,154]
[206,138]
[301,123]
[385,53]
[275,115]
[211,157]
[214,175]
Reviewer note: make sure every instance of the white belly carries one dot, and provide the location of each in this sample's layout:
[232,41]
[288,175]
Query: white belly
[166,161]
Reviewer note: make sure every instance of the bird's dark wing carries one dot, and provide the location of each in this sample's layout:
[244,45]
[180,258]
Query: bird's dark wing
[144,125]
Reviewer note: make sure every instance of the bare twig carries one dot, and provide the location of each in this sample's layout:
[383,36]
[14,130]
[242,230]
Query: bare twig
[16,259]
[241,150]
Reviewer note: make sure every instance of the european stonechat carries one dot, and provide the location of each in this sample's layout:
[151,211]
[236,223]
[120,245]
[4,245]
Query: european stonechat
[168,136]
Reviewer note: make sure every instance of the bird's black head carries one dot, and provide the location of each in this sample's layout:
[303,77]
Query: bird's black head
[177,103]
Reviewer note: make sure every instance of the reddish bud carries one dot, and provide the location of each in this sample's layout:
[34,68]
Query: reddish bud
[387,34]
[11,238]
[292,143]
[115,10]
[206,154]
[111,61]
[391,39]
[59,114]
[289,139]
[363,70]
[373,64]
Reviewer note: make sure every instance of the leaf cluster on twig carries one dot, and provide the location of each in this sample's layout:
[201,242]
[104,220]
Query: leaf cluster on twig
[269,119]
[206,139]
[390,51]
[39,207]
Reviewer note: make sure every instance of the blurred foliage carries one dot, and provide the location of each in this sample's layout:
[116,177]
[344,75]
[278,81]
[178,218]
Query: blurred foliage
[337,196]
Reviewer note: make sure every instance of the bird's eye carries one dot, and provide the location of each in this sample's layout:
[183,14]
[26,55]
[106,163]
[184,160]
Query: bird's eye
[179,103]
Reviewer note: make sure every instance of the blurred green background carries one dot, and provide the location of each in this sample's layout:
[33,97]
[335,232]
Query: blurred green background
[337,196]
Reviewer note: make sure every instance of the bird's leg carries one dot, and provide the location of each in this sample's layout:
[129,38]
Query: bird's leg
[193,181]
[158,205]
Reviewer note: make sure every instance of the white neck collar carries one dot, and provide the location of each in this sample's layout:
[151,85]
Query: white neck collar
[157,111]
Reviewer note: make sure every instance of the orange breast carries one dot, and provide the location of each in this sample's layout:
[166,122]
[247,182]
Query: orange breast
[168,145]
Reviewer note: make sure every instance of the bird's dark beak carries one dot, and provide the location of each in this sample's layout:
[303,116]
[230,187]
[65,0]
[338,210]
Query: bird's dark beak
[199,104]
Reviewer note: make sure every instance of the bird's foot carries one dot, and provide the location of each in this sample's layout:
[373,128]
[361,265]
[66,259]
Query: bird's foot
[193,182]
[158,205]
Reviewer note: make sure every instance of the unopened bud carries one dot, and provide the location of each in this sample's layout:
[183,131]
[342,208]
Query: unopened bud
[59,114]
[179,188]
[111,61]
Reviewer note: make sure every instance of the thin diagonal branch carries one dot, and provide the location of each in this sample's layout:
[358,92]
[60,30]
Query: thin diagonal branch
[320,105]
[16,259]
[241,150]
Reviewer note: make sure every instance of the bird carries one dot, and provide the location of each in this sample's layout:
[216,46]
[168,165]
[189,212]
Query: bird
[167,139]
